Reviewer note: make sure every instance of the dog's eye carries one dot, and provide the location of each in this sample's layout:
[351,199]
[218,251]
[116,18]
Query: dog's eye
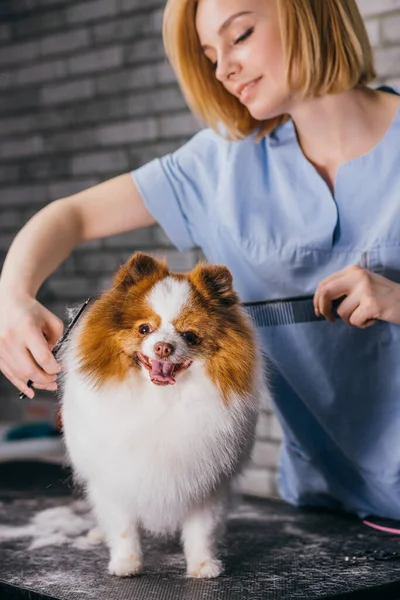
[191,337]
[144,329]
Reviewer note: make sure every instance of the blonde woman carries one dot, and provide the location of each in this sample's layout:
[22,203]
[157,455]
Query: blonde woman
[294,186]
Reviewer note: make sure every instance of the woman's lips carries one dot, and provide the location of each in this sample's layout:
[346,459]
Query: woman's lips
[248,90]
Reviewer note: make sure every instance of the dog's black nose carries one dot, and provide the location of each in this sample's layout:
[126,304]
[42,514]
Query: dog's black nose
[163,350]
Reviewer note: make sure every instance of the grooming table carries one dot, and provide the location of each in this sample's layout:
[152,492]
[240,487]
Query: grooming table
[271,551]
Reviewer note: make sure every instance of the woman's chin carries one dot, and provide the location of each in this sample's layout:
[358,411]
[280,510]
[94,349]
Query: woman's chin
[263,111]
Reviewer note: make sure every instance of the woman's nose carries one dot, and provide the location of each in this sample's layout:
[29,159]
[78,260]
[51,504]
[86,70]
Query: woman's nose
[225,68]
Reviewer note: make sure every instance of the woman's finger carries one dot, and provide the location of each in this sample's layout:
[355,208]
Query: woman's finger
[39,349]
[50,387]
[329,292]
[347,307]
[15,380]
[362,317]
[28,368]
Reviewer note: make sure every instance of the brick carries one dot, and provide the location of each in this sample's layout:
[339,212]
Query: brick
[23,195]
[387,61]
[145,154]
[265,454]
[275,429]
[136,78]
[104,283]
[71,140]
[50,2]
[64,42]
[126,28]
[96,111]
[6,79]
[67,92]
[258,482]
[26,146]
[372,7]
[98,262]
[263,426]
[395,83]
[5,32]
[178,124]
[91,11]
[70,288]
[40,23]
[20,124]
[165,73]
[135,239]
[99,162]
[126,79]
[9,173]
[63,189]
[58,117]
[157,19]
[18,53]
[178,261]
[45,168]
[98,60]
[10,219]
[17,101]
[374,31]
[266,404]
[128,5]
[391,29]
[39,73]
[127,132]
[160,237]
[6,240]
[146,50]
[89,245]
[155,101]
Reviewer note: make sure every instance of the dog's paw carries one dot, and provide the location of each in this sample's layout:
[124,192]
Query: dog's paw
[125,566]
[206,569]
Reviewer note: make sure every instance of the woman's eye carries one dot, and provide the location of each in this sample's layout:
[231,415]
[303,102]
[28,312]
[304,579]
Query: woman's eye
[191,338]
[244,36]
[144,329]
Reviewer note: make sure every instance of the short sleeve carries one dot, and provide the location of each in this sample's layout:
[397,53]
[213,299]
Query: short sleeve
[177,188]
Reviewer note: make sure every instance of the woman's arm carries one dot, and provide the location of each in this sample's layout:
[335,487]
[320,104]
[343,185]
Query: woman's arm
[112,207]
[28,331]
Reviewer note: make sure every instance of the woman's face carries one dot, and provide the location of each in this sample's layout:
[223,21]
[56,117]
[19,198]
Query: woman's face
[241,38]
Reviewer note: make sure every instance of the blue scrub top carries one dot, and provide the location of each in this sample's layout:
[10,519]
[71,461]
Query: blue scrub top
[264,211]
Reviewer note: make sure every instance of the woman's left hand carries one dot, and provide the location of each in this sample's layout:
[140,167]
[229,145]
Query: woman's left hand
[367,297]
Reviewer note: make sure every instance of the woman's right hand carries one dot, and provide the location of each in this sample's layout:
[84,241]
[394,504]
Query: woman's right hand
[28,333]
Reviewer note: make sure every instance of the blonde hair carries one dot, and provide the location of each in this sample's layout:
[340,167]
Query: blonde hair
[326,48]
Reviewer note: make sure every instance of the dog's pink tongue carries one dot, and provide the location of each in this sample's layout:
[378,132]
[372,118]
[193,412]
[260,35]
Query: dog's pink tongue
[161,372]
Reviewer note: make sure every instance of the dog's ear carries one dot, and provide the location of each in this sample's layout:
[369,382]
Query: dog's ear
[214,281]
[140,266]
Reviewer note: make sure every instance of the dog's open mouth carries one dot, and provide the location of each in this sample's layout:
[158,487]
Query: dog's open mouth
[162,372]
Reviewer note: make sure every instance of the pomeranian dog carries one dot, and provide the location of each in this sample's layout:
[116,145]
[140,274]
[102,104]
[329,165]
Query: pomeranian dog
[162,386]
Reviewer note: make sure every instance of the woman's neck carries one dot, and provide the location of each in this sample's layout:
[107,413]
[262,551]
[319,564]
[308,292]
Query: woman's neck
[335,128]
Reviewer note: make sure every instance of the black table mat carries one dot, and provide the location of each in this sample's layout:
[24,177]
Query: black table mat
[271,551]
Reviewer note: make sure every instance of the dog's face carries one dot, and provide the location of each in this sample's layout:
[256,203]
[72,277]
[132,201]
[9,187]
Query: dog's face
[159,323]
[173,319]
